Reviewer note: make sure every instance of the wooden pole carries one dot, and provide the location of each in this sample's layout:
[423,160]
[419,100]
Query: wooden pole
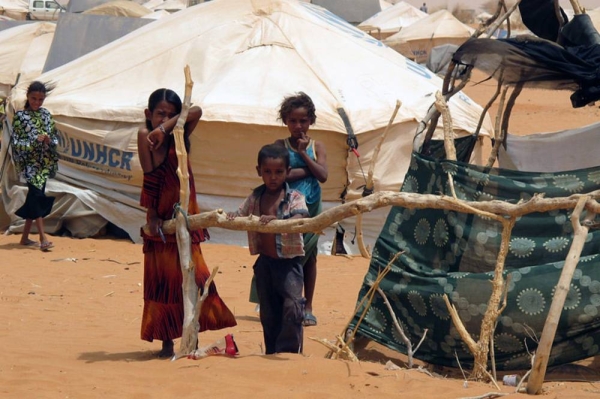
[370,186]
[218,218]
[542,354]
[577,9]
[189,338]
[504,17]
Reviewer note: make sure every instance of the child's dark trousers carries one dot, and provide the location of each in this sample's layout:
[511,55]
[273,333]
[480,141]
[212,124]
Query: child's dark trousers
[279,283]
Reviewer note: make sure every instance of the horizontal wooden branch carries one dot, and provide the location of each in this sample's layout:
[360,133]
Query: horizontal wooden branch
[218,218]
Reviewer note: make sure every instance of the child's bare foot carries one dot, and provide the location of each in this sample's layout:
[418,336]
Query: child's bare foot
[167,349]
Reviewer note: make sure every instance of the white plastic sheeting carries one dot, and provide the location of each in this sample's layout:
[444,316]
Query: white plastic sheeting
[24,50]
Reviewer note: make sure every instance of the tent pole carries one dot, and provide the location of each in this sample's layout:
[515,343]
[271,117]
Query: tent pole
[577,9]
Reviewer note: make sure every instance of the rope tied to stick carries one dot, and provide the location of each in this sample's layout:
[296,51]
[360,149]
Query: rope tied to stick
[178,209]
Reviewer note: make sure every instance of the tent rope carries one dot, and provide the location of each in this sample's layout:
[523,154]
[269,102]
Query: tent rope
[353,144]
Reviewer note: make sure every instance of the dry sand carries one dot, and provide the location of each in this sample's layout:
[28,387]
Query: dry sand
[71,319]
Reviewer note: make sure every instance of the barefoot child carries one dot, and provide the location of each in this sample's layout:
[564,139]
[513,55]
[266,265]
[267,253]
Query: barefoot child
[162,317]
[278,269]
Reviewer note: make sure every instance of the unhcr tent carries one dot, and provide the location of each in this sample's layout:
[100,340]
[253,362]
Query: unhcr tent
[438,28]
[392,19]
[23,51]
[244,56]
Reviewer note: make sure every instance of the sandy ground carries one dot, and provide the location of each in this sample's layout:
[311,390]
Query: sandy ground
[71,318]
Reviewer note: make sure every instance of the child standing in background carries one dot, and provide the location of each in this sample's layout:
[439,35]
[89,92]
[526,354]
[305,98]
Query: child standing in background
[278,269]
[308,162]
[34,143]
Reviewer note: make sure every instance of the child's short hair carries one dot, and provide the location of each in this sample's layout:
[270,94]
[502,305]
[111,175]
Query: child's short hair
[274,151]
[299,100]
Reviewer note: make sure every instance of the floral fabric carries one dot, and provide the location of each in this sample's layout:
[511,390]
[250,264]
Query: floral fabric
[34,160]
[455,254]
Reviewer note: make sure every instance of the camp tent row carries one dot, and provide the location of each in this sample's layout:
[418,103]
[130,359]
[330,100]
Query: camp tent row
[392,19]
[434,30]
[32,47]
[245,56]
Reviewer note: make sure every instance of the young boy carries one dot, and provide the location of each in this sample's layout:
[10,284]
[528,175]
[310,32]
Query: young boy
[278,268]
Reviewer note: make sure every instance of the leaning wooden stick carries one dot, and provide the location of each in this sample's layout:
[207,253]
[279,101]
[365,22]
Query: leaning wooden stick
[442,107]
[410,350]
[480,349]
[542,354]
[202,295]
[577,9]
[189,338]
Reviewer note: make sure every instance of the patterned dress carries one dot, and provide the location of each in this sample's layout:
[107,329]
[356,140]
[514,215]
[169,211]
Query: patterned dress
[162,317]
[34,160]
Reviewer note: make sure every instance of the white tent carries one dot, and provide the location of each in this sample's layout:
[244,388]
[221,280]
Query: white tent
[392,19]
[23,51]
[245,56]
[436,29]
[15,9]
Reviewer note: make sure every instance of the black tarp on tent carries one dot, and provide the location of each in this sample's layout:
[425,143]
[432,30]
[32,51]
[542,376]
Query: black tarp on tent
[558,58]
[79,34]
[353,12]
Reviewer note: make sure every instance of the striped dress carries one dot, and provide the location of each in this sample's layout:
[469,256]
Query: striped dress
[162,317]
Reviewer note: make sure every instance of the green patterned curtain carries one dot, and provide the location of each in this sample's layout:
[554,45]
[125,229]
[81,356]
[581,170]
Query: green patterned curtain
[455,254]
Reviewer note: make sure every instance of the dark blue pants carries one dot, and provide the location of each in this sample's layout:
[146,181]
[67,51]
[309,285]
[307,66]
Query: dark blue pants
[279,283]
